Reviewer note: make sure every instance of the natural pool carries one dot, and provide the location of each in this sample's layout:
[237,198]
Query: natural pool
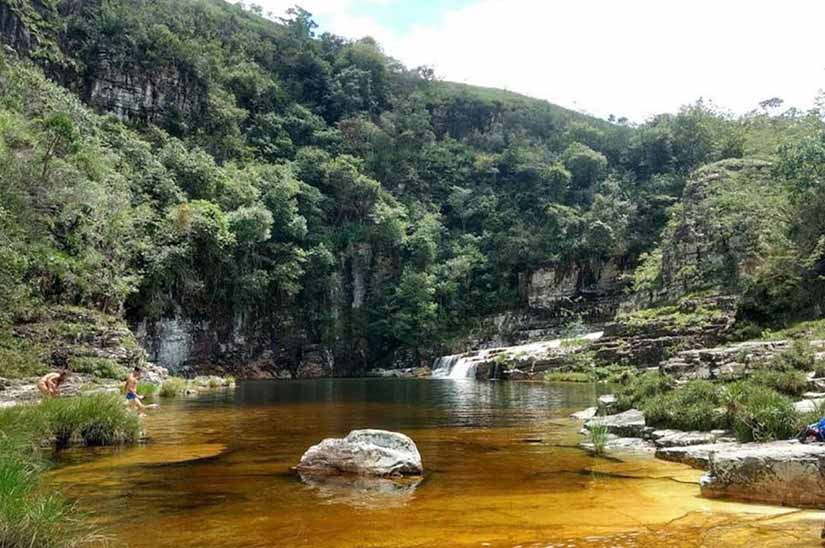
[502,467]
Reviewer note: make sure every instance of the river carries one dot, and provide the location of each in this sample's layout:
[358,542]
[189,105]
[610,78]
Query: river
[502,469]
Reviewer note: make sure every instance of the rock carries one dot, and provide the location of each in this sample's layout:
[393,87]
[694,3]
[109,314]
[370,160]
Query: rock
[729,362]
[679,438]
[697,456]
[630,424]
[586,414]
[622,445]
[808,406]
[783,472]
[363,452]
[606,403]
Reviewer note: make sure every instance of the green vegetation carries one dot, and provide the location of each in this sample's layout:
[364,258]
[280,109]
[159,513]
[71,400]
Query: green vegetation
[30,516]
[759,413]
[567,376]
[99,367]
[695,406]
[641,388]
[148,389]
[172,387]
[597,435]
[294,156]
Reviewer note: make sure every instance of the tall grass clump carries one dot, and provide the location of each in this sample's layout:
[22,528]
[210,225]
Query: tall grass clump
[598,435]
[639,389]
[799,356]
[148,389]
[172,387]
[30,516]
[694,406]
[759,413]
[95,420]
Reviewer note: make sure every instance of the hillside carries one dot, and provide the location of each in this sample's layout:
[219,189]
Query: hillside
[243,191]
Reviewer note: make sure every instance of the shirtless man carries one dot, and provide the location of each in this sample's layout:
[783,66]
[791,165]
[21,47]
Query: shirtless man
[49,384]
[131,389]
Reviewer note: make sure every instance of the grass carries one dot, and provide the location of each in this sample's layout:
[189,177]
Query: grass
[173,387]
[99,367]
[791,383]
[148,389]
[641,388]
[29,515]
[598,437]
[760,413]
[575,342]
[567,376]
[20,358]
[694,406]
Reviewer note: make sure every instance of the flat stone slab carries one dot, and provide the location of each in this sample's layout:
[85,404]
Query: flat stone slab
[783,472]
[585,414]
[616,444]
[809,405]
[697,456]
[679,438]
[363,452]
[629,424]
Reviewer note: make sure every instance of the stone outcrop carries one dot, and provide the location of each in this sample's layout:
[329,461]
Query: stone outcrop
[787,473]
[647,337]
[629,424]
[717,238]
[697,456]
[363,452]
[730,362]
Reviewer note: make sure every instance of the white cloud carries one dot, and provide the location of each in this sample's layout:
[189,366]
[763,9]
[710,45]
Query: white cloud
[633,57]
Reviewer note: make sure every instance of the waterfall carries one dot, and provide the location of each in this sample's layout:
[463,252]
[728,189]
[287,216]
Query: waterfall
[463,366]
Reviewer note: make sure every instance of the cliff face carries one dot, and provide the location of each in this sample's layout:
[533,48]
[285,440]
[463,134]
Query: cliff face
[729,217]
[157,96]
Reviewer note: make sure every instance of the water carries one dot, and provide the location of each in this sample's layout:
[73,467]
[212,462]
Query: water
[463,366]
[502,470]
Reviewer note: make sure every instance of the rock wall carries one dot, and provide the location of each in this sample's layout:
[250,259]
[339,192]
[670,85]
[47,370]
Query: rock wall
[157,95]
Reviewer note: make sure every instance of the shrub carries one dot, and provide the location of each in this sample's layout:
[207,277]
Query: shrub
[695,406]
[819,369]
[100,419]
[148,389]
[759,413]
[642,388]
[19,358]
[98,367]
[799,356]
[790,382]
[173,386]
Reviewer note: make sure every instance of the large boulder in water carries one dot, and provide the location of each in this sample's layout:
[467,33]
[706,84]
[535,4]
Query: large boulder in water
[363,452]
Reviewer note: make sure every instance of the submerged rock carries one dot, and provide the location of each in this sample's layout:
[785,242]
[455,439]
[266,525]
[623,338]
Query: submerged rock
[783,472]
[363,452]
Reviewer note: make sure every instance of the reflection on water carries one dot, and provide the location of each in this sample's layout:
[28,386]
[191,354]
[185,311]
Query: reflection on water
[501,465]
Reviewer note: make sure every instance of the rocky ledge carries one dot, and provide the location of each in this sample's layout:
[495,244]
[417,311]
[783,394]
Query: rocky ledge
[781,472]
[363,452]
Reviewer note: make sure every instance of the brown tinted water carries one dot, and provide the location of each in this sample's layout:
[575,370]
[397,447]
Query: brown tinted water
[502,470]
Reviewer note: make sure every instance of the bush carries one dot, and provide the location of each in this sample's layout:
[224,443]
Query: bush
[98,367]
[759,413]
[790,382]
[695,406]
[148,389]
[172,387]
[799,356]
[819,369]
[100,419]
[642,388]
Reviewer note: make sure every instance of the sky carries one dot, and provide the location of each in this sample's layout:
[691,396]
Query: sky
[632,58]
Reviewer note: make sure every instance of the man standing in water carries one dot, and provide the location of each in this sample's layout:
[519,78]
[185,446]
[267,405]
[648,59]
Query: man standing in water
[131,389]
[50,383]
